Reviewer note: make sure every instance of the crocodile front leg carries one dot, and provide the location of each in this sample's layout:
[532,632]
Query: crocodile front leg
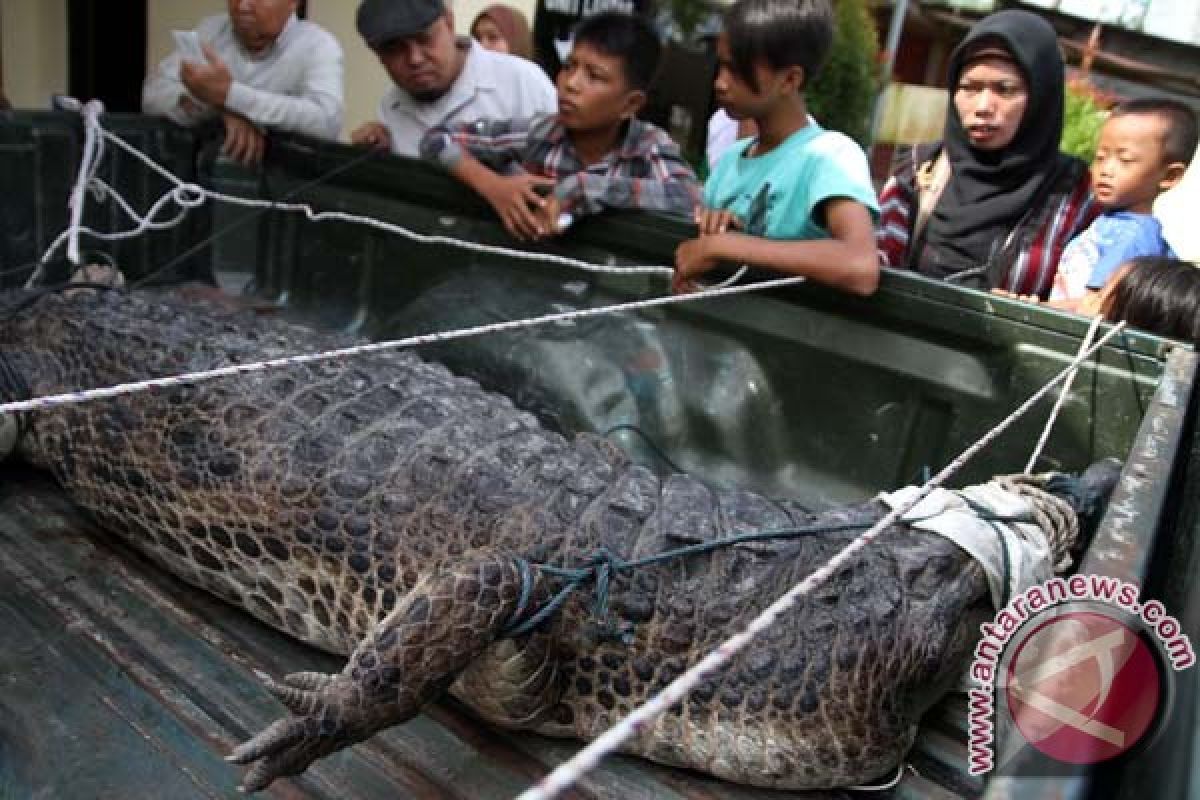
[409,658]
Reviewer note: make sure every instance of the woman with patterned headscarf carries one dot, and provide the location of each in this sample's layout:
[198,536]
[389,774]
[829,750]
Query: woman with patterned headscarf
[993,204]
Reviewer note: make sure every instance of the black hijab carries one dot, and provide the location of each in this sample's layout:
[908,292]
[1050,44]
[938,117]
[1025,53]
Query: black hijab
[991,191]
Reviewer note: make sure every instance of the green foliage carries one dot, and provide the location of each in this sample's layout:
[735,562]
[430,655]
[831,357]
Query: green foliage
[1085,112]
[688,14]
[842,96]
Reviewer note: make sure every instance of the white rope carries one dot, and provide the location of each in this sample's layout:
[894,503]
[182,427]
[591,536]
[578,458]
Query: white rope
[732,279]
[185,195]
[93,151]
[190,195]
[74,398]
[636,721]
[882,787]
[1062,397]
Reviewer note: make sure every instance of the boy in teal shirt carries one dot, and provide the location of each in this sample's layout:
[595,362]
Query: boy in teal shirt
[796,198]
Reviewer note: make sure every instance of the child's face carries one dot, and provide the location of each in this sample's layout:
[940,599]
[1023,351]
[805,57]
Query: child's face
[1130,168]
[592,90]
[739,99]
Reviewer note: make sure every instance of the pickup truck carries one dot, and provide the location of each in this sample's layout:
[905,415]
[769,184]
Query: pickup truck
[117,680]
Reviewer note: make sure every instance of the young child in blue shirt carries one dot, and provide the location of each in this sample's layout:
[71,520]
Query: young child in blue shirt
[795,198]
[1144,149]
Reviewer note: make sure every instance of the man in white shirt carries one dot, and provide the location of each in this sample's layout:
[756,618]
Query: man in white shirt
[263,68]
[440,78]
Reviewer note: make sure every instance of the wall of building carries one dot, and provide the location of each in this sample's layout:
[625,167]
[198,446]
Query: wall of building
[34,49]
[164,16]
[365,79]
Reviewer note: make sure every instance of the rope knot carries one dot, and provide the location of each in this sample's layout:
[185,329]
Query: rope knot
[599,567]
[189,195]
[1053,515]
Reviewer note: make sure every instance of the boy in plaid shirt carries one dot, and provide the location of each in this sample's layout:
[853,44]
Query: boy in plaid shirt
[592,155]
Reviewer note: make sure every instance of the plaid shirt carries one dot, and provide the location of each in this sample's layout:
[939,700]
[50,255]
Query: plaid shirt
[1039,240]
[645,172]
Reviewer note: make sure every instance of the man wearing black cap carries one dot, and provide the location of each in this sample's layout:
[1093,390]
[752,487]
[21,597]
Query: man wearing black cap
[441,78]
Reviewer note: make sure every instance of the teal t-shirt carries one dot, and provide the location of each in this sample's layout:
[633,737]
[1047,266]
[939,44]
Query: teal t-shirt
[775,194]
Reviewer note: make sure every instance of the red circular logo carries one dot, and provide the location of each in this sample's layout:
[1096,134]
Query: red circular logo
[1083,687]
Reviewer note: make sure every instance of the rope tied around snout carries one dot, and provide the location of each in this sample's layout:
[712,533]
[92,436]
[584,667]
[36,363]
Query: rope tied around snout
[1053,515]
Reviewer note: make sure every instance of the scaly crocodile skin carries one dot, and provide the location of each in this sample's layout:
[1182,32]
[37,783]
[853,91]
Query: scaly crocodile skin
[374,508]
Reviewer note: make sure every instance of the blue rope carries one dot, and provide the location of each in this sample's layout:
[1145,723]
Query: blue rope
[604,563]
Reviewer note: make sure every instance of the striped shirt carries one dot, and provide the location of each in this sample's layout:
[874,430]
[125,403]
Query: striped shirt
[1038,241]
[491,85]
[646,171]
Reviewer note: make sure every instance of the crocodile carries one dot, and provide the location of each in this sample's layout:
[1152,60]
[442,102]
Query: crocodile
[384,509]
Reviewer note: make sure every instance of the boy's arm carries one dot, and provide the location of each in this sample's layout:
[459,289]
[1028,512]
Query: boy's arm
[467,150]
[1074,268]
[848,260]
[496,142]
[671,185]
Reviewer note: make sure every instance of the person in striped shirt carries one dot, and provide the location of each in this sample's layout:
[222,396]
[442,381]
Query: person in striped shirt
[593,154]
[995,203]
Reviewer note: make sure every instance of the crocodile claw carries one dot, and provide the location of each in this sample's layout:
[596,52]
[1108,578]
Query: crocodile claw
[328,713]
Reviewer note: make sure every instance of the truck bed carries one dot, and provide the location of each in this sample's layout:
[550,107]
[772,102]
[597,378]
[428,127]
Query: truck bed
[117,680]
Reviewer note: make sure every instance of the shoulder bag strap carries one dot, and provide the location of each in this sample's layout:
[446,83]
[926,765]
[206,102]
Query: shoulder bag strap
[929,180]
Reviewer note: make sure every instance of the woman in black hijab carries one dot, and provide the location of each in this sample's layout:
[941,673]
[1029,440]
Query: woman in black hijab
[993,205]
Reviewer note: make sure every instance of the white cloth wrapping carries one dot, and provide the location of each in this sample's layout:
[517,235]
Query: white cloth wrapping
[1014,555]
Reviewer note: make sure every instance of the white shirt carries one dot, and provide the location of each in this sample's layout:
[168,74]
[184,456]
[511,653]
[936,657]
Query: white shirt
[490,86]
[294,85]
[722,132]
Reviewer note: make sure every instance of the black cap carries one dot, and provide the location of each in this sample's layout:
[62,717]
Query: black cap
[380,21]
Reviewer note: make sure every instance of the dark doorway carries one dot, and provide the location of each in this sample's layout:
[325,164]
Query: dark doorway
[106,42]
[554,20]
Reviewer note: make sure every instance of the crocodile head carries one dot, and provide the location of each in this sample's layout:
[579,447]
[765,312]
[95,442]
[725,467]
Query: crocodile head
[1087,493]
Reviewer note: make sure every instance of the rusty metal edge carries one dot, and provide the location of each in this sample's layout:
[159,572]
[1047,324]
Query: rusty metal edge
[1125,541]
